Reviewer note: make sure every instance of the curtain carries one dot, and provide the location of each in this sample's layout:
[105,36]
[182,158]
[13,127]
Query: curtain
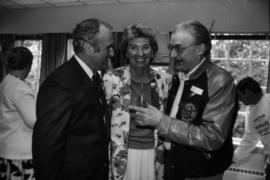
[54,53]
[268,79]
[7,42]
[118,60]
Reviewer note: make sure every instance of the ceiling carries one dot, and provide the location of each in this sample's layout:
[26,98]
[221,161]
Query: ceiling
[23,4]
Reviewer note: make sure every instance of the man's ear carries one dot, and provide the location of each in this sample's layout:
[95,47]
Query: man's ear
[201,49]
[88,49]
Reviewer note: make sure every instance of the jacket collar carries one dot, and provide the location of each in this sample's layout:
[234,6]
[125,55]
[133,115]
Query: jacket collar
[196,71]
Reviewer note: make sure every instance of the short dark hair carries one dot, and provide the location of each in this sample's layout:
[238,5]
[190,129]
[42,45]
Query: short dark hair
[19,58]
[138,31]
[250,84]
[199,32]
[87,31]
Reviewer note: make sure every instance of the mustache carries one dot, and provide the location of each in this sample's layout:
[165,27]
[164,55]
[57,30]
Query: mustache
[177,59]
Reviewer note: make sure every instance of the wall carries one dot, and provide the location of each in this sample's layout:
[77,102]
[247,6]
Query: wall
[229,16]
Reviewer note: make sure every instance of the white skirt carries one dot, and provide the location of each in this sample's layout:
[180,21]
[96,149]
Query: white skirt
[140,164]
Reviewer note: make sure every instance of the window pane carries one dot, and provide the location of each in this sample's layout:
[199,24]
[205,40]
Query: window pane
[218,48]
[239,49]
[260,49]
[259,71]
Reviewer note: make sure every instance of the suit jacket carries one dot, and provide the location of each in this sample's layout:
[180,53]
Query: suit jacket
[70,138]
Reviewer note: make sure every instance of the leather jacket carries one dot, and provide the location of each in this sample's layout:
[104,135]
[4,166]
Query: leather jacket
[201,131]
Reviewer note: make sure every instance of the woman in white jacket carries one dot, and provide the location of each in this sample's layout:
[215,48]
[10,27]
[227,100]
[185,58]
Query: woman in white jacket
[17,118]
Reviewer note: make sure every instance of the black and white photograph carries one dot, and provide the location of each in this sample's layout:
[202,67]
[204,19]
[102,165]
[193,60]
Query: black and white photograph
[134,90]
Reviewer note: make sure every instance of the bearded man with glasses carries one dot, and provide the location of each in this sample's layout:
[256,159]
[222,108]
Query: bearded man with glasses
[201,109]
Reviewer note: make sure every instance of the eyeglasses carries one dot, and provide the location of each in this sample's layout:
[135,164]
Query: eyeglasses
[178,48]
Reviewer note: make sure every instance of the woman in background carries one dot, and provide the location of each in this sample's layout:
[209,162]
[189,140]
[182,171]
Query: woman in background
[17,118]
[135,152]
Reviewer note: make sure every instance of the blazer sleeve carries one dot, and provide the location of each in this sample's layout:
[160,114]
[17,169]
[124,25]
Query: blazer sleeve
[54,108]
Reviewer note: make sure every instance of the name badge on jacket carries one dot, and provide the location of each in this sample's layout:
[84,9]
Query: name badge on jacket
[196,90]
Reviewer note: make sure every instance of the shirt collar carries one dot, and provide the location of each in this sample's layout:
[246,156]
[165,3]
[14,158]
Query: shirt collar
[86,69]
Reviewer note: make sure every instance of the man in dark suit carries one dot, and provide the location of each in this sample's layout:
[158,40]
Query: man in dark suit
[71,135]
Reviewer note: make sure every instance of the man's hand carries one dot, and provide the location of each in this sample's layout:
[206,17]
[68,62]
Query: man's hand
[149,116]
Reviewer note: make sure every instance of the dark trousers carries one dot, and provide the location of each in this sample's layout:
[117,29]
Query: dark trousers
[170,172]
[96,173]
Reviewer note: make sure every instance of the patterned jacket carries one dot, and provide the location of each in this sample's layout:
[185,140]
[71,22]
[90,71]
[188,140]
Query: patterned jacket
[118,93]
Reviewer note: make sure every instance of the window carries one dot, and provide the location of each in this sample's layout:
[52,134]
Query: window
[35,46]
[243,57]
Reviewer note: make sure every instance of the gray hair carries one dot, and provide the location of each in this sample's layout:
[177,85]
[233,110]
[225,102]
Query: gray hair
[199,32]
[87,31]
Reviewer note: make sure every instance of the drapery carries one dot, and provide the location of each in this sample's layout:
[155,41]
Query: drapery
[268,79]
[54,53]
[7,42]
[118,60]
